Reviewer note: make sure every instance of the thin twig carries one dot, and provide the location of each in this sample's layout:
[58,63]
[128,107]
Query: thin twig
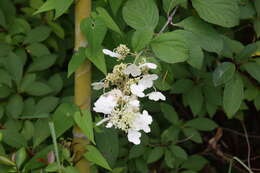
[239,134]
[169,20]
[248,145]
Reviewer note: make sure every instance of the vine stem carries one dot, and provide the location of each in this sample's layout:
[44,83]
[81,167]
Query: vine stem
[169,20]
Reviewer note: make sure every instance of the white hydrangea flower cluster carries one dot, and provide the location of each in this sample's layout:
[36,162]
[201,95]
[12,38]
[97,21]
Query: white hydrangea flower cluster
[120,105]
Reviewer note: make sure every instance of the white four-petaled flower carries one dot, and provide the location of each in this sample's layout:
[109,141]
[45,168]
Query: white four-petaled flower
[132,69]
[156,96]
[137,90]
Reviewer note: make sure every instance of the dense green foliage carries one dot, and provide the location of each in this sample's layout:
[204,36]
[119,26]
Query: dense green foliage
[209,68]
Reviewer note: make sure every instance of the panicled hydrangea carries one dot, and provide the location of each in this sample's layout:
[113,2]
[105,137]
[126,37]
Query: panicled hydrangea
[120,105]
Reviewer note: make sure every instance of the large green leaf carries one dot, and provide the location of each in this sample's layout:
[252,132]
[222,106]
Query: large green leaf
[141,14]
[195,99]
[171,47]
[94,29]
[98,59]
[178,152]
[76,60]
[155,154]
[220,12]
[110,23]
[168,5]
[38,89]
[14,107]
[46,105]
[42,63]
[233,96]
[204,34]
[169,113]
[203,124]
[93,155]
[141,39]
[37,34]
[223,73]
[14,65]
[60,7]
[253,69]
[84,121]
[195,163]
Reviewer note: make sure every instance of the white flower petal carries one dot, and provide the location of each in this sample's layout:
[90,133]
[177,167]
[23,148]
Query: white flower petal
[105,104]
[147,80]
[134,136]
[137,90]
[142,122]
[110,53]
[156,96]
[102,121]
[97,85]
[149,65]
[132,69]
[109,125]
[135,103]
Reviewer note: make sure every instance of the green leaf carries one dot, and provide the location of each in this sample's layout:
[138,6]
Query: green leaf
[57,29]
[84,121]
[37,49]
[56,83]
[253,69]
[28,130]
[203,34]
[203,124]
[20,157]
[103,140]
[170,47]
[98,59]
[231,47]
[141,38]
[168,5]
[115,5]
[219,12]
[247,52]
[169,158]
[76,60]
[42,63]
[5,78]
[94,30]
[2,19]
[53,167]
[60,7]
[193,134]
[6,161]
[141,14]
[4,91]
[19,25]
[257,27]
[71,169]
[247,10]
[178,152]
[223,73]
[14,65]
[93,155]
[27,80]
[37,34]
[169,113]
[14,107]
[136,151]
[155,154]
[181,86]
[257,6]
[38,89]
[195,99]
[233,96]
[63,118]
[257,102]
[195,163]
[46,105]
[42,131]
[108,20]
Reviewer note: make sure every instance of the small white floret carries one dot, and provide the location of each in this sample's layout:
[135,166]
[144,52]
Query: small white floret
[147,80]
[137,90]
[112,54]
[134,136]
[149,65]
[132,69]
[156,96]
[105,104]
[97,85]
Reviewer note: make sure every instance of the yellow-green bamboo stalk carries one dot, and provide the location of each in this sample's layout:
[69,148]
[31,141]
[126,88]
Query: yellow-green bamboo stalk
[82,86]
